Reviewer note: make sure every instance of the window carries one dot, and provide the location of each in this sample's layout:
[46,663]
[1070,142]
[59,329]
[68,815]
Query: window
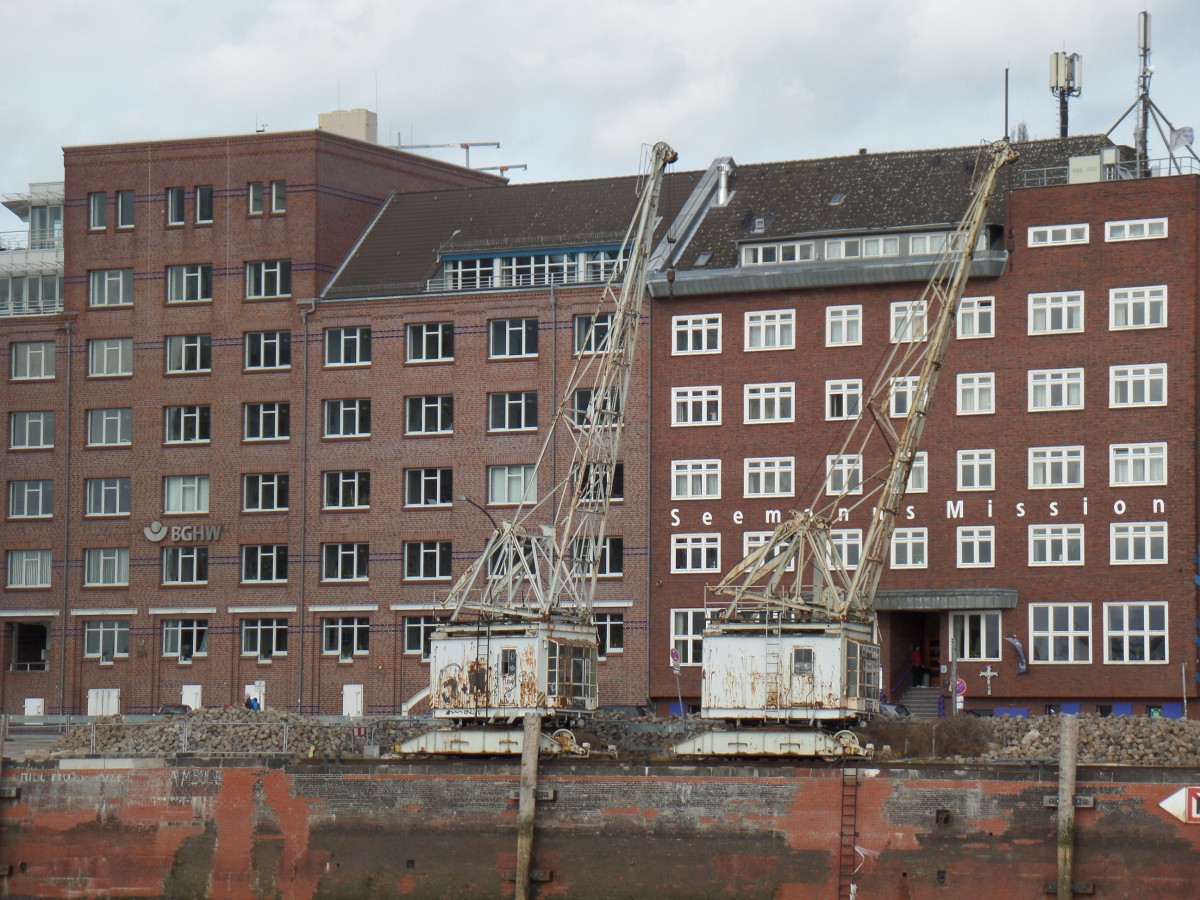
[512,411]
[910,548]
[976,318]
[591,332]
[774,254]
[513,338]
[109,427]
[1138,543]
[189,353]
[106,567]
[30,430]
[185,638]
[426,560]
[975,637]
[1135,230]
[695,552]
[696,334]
[265,492]
[518,559]
[902,394]
[125,209]
[771,402]
[266,421]
[687,635]
[97,211]
[976,470]
[1055,389]
[348,346]
[269,278]
[418,633]
[1134,464]
[1046,235]
[1135,632]
[428,487]
[268,350]
[431,342]
[105,639]
[185,494]
[918,475]
[264,638]
[752,540]
[346,637]
[1056,545]
[976,393]
[110,287]
[433,414]
[694,479]
[1055,313]
[1144,307]
[771,330]
[604,413]
[609,561]
[110,356]
[30,499]
[512,484]
[108,496]
[254,198]
[843,326]
[908,321]
[1138,385]
[204,204]
[770,477]
[30,295]
[347,489]
[696,405]
[278,196]
[189,284]
[345,561]
[595,478]
[1060,632]
[976,547]
[843,474]
[853,248]
[32,359]
[175,206]
[348,418]
[843,399]
[1055,467]
[187,425]
[264,563]
[29,568]
[610,629]
[185,565]
[845,547]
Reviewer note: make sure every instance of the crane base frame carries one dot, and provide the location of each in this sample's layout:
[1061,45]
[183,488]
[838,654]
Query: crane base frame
[775,742]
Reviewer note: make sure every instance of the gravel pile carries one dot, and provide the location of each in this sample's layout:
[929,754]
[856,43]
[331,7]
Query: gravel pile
[1125,740]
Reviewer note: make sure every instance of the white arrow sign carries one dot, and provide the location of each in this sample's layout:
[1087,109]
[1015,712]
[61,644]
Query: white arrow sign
[1184,805]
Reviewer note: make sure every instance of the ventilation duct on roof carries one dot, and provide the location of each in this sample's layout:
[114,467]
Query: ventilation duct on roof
[725,170]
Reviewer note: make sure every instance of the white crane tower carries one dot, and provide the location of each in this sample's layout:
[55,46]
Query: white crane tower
[795,638]
[521,637]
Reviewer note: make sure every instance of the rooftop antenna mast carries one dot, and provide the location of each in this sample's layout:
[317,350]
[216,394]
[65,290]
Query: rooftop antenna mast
[1174,138]
[1066,81]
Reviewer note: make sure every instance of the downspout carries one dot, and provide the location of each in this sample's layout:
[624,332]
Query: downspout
[62,662]
[304,314]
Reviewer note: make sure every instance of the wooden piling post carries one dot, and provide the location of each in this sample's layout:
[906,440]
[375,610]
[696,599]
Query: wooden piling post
[1068,751]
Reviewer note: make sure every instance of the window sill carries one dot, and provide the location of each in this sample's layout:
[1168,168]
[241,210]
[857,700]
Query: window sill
[273,440]
[183,374]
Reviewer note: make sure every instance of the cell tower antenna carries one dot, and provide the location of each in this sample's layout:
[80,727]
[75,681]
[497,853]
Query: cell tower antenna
[1066,81]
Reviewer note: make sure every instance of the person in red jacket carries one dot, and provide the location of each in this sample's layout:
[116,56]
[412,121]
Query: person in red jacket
[918,666]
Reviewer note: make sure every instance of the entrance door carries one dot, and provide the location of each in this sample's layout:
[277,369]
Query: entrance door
[191,695]
[352,700]
[104,701]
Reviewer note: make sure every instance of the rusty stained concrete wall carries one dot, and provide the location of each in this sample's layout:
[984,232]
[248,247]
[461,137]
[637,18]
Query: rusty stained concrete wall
[450,830]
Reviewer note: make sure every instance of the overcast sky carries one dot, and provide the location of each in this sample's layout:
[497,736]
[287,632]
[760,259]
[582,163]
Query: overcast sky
[574,89]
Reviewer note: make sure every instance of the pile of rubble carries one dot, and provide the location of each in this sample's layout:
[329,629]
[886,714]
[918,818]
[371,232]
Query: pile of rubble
[1123,740]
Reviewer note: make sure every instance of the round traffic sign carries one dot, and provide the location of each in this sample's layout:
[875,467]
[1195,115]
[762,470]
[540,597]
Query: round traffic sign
[674,656]
[960,687]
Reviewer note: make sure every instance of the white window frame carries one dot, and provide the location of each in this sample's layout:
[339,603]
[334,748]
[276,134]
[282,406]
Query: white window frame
[901,394]
[976,393]
[1056,313]
[110,357]
[264,638]
[188,354]
[843,474]
[429,560]
[1058,235]
[985,627]
[770,329]
[346,636]
[910,548]
[348,417]
[105,639]
[429,342]
[1136,229]
[696,335]
[432,481]
[346,489]
[174,631]
[343,561]
[769,476]
[202,202]
[28,569]
[610,629]
[843,326]
[1056,545]
[696,406]
[254,198]
[31,429]
[418,634]
[976,470]
[695,479]
[266,421]
[31,498]
[770,403]
[264,564]
[976,318]
[175,197]
[1055,381]
[909,321]
[185,564]
[189,283]
[610,562]
[1055,468]
[110,287]
[430,413]
[701,553]
[97,211]
[848,394]
[1137,385]
[591,332]
[752,540]
[194,425]
[1044,641]
[110,427]
[1145,457]
[977,538]
[104,497]
[687,635]
[918,475]
[776,254]
[274,347]
[32,360]
[1138,544]
[278,197]
[265,492]
[1138,307]
[185,494]
[348,346]
[505,335]
[268,278]
[845,548]
[1146,634]
[511,485]
[510,411]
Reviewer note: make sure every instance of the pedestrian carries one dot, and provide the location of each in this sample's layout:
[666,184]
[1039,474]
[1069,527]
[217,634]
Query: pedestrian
[247,703]
[918,666]
[254,705]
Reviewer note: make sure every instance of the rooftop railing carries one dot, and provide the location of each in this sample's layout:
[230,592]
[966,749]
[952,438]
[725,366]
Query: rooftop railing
[25,240]
[31,307]
[1123,171]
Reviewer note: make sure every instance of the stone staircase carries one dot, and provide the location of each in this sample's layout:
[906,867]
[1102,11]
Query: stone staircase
[922,702]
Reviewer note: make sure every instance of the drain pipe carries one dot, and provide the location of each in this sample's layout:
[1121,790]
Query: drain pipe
[1068,751]
[66,593]
[304,314]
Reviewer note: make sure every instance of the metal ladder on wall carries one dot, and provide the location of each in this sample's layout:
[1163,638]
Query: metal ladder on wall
[848,833]
[774,667]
